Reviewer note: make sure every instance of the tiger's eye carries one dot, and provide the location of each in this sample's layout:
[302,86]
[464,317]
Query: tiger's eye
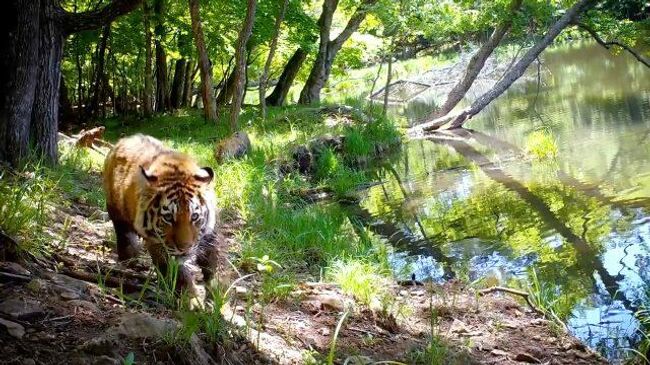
[195,217]
[168,217]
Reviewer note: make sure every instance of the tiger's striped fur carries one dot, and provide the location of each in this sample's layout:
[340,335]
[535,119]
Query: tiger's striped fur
[160,195]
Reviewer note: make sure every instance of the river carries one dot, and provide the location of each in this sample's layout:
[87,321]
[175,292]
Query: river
[549,190]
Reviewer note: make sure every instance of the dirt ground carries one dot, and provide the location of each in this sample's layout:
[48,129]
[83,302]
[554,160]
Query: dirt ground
[54,311]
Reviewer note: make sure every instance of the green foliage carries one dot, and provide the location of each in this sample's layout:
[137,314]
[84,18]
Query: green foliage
[541,145]
[361,279]
[24,207]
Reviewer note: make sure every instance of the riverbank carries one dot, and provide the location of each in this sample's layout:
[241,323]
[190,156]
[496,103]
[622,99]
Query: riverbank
[294,269]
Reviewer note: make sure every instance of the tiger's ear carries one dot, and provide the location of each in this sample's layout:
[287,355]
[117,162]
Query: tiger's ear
[150,178]
[205,175]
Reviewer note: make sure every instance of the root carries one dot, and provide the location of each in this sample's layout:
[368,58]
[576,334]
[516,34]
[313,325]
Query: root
[520,293]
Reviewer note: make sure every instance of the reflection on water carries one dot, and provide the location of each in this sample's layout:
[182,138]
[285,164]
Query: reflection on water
[475,204]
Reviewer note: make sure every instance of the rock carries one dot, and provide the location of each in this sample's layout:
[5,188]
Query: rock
[83,304]
[142,325]
[14,268]
[303,158]
[526,357]
[69,295]
[103,216]
[329,302]
[73,284]
[99,346]
[241,291]
[13,328]
[18,308]
[498,352]
[29,362]
[324,331]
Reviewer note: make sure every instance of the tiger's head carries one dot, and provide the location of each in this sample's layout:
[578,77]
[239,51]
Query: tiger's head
[178,206]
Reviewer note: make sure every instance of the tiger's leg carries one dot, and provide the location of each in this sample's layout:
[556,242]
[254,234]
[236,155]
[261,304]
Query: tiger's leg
[128,245]
[207,256]
[184,277]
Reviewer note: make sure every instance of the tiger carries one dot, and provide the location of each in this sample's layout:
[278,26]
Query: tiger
[165,198]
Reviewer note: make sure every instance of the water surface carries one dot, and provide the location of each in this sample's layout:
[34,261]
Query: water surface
[486,205]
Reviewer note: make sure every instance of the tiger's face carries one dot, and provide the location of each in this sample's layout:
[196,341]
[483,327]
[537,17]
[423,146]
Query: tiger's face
[180,210]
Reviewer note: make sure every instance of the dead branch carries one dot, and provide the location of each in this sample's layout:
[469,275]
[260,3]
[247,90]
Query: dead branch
[520,293]
[609,44]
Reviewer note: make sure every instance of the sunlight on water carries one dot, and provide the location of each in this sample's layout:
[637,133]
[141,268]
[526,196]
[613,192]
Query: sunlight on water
[487,205]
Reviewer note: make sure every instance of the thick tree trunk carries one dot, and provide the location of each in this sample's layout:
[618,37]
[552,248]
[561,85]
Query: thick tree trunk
[267,66]
[328,49]
[45,113]
[207,91]
[177,83]
[457,121]
[97,91]
[31,51]
[476,64]
[240,62]
[187,84]
[162,89]
[281,90]
[148,62]
[20,66]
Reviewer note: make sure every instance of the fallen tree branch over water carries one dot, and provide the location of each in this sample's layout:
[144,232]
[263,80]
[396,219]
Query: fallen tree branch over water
[457,120]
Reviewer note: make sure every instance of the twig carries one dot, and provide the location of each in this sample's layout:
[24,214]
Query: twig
[520,293]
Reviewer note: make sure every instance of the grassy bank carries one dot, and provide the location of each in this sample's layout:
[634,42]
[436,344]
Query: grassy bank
[302,238]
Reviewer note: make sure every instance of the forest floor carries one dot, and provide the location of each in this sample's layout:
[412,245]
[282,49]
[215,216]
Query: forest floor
[75,304]
[50,315]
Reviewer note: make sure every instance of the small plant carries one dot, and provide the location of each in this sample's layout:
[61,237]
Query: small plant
[541,145]
[129,359]
[360,279]
[332,352]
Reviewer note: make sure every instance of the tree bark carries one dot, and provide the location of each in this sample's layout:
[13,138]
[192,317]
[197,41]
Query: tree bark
[97,91]
[281,90]
[187,84]
[476,64]
[207,91]
[177,83]
[328,49]
[162,89]
[67,117]
[80,89]
[269,59]
[20,67]
[240,62]
[457,121]
[148,63]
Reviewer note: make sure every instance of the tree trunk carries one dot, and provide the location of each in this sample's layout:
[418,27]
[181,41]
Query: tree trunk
[327,49]
[187,84]
[162,95]
[207,91]
[97,91]
[389,76]
[457,121]
[32,49]
[177,83]
[19,72]
[281,90]
[148,63]
[240,62]
[269,59]
[476,64]
[80,89]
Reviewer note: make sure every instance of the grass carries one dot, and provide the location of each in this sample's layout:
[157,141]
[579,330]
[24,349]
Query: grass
[362,279]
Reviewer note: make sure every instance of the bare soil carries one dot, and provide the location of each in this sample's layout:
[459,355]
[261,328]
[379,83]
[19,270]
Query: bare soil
[54,311]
